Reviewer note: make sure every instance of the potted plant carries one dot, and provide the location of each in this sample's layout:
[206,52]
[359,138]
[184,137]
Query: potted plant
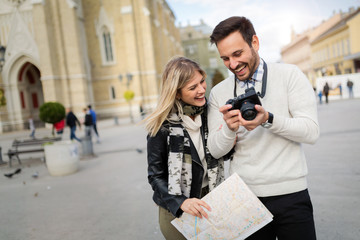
[52,112]
[62,157]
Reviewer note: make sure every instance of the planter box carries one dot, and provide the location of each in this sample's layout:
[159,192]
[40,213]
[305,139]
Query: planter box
[62,158]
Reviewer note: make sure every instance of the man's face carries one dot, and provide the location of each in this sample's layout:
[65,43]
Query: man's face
[238,56]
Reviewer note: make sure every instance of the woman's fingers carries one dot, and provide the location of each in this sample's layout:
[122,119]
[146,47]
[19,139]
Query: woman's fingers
[195,207]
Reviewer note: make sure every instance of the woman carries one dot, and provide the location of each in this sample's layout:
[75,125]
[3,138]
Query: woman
[180,167]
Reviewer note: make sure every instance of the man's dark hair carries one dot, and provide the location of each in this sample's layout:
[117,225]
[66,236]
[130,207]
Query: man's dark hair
[89,106]
[230,25]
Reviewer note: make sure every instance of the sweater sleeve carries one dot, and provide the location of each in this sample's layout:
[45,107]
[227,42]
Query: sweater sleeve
[221,138]
[302,125]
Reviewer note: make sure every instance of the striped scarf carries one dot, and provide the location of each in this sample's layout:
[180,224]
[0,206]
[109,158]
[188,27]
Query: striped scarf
[179,158]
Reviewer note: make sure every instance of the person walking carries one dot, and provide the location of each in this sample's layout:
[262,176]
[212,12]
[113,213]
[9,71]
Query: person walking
[59,128]
[340,90]
[177,141]
[88,122]
[320,96]
[71,121]
[93,115]
[31,126]
[268,155]
[350,85]
[326,90]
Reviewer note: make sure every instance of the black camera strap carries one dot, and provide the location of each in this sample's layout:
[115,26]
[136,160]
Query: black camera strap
[263,83]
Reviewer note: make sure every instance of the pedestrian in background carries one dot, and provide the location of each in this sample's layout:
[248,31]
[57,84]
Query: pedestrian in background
[268,153]
[350,85]
[59,128]
[340,90]
[142,111]
[177,142]
[88,122]
[93,115]
[71,121]
[326,90]
[31,126]
[320,96]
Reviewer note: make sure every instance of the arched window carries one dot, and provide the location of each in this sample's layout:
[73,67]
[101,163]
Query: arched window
[105,32]
[107,45]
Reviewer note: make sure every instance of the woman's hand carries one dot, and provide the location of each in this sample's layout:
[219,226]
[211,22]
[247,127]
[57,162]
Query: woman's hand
[194,206]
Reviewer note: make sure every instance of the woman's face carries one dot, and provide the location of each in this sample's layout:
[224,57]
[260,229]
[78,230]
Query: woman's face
[193,92]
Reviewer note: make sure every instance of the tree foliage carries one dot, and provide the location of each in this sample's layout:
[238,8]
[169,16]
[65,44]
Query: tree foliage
[52,112]
[218,77]
[129,95]
[2,97]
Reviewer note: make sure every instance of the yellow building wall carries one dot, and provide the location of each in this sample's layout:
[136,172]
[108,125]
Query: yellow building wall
[354,33]
[144,37]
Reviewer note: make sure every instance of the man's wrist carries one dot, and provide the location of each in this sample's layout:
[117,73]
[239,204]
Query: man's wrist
[268,123]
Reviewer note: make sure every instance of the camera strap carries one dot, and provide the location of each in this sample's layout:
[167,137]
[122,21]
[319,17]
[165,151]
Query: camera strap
[263,83]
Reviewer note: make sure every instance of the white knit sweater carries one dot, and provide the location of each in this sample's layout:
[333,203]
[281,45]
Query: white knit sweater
[271,161]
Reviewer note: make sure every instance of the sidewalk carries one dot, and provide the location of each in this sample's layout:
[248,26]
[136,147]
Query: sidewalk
[110,198]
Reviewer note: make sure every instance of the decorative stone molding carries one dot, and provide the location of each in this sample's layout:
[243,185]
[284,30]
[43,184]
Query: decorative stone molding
[146,11]
[72,3]
[126,10]
[33,2]
[157,23]
[20,41]
[103,20]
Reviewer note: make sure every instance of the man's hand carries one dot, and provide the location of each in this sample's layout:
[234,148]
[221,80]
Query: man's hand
[261,117]
[234,119]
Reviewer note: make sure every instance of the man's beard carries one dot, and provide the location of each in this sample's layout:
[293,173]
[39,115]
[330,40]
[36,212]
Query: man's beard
[252,65]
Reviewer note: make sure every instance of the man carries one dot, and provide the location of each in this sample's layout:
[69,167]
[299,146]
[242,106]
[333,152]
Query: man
[93,115]
[350,85]
[71,121]
[326,90]
[268,154]
[88,122]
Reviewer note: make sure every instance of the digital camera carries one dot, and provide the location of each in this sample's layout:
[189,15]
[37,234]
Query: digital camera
[246,104]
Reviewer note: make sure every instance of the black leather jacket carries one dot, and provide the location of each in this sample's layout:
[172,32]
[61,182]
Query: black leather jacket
[157,149]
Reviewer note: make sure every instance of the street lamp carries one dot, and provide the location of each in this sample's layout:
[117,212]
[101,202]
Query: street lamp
[2,62]
[129,94]
[129,77]
[2,56]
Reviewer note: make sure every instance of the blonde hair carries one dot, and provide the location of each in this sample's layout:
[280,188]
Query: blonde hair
[178,72]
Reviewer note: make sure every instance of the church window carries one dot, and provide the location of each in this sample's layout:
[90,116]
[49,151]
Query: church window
[107,45]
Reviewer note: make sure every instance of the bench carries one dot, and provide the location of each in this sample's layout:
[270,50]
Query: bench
[25,146]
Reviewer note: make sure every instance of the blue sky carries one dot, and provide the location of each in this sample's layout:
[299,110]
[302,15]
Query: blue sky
[272,19]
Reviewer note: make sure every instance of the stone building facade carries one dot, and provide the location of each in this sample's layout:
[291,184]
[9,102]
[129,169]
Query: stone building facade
[80,52]
[337,51]
[331,48]
[298,51]
[196,43]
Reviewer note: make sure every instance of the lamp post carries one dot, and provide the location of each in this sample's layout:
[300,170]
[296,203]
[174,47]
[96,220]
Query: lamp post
[129,94]
[2,57]
[2,62]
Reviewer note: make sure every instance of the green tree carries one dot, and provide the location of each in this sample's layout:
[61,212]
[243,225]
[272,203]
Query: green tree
[218,77]
[2,98]
[52,112]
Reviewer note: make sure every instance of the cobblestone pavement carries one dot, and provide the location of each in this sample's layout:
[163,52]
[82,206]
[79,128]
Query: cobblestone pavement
[110,198]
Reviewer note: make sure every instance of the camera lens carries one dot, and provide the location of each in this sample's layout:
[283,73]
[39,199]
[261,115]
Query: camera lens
[248,111]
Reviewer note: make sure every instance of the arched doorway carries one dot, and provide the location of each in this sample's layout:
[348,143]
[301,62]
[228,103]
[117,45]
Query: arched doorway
[30,93]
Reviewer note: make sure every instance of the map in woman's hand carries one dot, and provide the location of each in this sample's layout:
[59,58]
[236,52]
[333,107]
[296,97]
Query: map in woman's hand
[236,213]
